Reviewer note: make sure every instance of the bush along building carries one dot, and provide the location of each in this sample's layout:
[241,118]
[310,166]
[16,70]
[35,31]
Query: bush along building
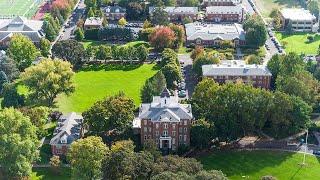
[165,121]
[68,130]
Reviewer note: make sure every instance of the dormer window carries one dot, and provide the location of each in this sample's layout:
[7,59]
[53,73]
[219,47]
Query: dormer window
[63,139]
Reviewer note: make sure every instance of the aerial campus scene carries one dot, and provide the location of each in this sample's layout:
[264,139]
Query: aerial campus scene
[159,89]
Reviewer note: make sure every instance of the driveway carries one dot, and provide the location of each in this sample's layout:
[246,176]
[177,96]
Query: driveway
[190,79]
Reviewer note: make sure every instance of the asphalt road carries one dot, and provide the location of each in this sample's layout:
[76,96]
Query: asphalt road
[190,79]
[72,21]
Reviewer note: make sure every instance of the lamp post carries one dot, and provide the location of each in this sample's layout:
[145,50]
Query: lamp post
[305,150]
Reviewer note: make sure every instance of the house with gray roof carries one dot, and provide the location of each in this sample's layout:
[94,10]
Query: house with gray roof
[93,23]
[206,3]
[114,13]
[69,129]
[165,121]
[257,75]
[211,35]
[29,28]
[178,13]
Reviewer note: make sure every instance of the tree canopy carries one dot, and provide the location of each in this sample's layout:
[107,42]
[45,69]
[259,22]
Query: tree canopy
[48,79]
[256,33]
[22,50]
[19,144]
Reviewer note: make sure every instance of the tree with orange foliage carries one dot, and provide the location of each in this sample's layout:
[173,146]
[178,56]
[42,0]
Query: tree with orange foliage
[162,37]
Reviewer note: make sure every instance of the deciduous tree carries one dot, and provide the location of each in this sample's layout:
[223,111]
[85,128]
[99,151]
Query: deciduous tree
[162,37]
[45,46]
[86,157]
[48,79]
[19,144]
[22,51]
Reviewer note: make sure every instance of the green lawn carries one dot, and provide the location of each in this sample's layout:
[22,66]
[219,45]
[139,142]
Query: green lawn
[255,164]
[298,42]
[93,84]
[266,6]
[19,7]
[47,174]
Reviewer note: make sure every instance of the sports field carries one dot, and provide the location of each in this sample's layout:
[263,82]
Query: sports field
[25,8]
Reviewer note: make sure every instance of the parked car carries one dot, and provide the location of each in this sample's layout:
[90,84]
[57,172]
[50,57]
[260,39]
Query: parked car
[316,153]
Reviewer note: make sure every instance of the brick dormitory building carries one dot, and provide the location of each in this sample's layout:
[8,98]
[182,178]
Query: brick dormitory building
[165,121]
[257,75]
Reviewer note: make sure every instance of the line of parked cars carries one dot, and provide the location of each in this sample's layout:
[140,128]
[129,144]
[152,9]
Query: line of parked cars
[274,40]
[182,84]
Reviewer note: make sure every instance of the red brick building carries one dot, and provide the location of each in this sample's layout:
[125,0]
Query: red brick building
[114,13]
[257,75]
[165,121]
[225,13]
[69,129]
[179,13]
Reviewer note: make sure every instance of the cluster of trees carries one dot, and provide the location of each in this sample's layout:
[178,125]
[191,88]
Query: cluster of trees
[256,33]
[171,36]
[109,34]
[235,110]
[91,159]
[60,11]
[276,18]
[290,76]
[124,53]
[153,87]
[200,58]
[170,67]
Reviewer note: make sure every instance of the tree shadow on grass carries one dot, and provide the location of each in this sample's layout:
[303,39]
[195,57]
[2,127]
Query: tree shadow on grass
[111,67]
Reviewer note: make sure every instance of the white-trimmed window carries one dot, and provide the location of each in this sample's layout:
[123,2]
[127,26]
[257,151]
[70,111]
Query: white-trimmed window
[185,122]
[145,129]
[157,125]
[185,130]
[173,126]
[173,133]
[145,122]
[180,137]
[185,138]
[173,140]
[157,133]
[165,125]
[165,133]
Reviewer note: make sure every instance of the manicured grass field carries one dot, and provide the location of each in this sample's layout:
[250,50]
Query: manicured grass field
[19,7]
[47,174]
[298,43]
[93,84]
[255,164]
[266,6]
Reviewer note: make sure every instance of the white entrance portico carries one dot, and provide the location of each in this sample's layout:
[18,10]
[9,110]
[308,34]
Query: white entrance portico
[165,142]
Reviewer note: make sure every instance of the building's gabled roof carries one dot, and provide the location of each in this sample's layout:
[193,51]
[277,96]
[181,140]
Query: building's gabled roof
[68,128]
[30,28]
[237,9]
[203,31]
[93,21]
[235,70]
[165,108]
[113,9]
[177,10]
[165,93]
[233,1]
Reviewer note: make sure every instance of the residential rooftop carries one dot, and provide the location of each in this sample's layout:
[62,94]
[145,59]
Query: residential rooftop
[297,14]
[235,70]
[214,31]
[165,108]
[177,10]
[68,129]
[93,21]
[225,9]
[113,9]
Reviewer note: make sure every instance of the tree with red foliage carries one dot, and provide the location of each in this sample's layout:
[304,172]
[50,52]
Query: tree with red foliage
[162,37]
